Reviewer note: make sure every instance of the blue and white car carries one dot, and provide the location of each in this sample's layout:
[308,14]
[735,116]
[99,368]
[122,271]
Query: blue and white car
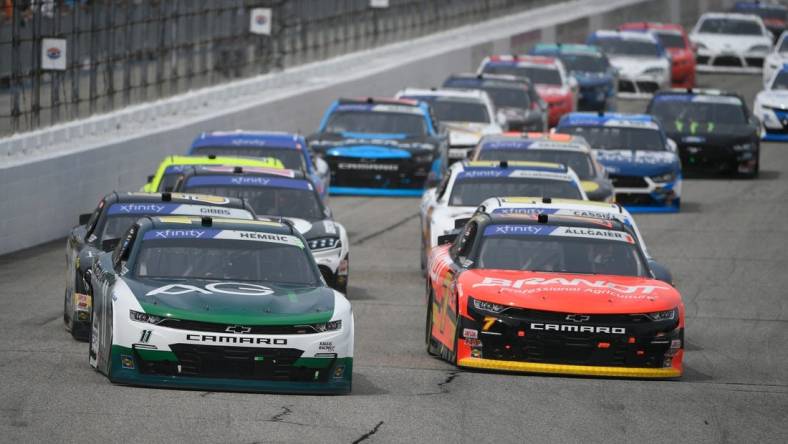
[381,146]
[291,149]
[596,77]
[641,160]
[643,65]
[771,107]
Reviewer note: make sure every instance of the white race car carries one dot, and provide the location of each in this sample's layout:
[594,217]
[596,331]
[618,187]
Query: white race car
[643,65]
[729,42]
[776,59]
[469,183]
[466,115]
[771,107]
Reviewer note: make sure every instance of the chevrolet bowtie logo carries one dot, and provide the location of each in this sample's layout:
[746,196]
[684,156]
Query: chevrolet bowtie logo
[577,318]
[238,329]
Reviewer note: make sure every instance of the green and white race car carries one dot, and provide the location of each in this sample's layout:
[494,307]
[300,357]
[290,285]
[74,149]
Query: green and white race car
[218,304]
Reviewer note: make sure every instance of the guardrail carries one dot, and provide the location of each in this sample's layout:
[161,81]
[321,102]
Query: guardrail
[49,176]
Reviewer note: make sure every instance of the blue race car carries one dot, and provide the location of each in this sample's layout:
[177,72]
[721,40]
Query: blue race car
[381,147]
[592,70]
[641,160]
[289,148]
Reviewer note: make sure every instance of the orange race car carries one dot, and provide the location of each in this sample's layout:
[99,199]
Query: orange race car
[551,294]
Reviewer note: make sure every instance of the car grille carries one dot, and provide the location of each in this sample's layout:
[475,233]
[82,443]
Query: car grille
[626,86]
[636,199]
[644,345]
[727,61]
[378,173]
[207,361]
[628,181]
[703,60]
[182,324]
[754,61]
[648,87]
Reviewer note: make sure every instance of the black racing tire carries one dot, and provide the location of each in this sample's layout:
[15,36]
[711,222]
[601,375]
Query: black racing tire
[343,287]
[429,342]
[66,317]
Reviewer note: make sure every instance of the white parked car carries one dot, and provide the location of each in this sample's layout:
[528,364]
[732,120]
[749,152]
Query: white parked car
[643,65]
[776,59]
[771,107]
[730,42]
[469,183]
[466,115]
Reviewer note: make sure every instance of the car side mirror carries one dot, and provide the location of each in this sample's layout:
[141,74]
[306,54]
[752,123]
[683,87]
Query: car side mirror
[661,272]
[84,218]
[109,244]
[447,238]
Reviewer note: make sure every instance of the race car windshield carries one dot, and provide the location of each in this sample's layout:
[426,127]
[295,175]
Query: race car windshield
[472,192]
[538,75]
[376,123]
[453,110]
[584,255]
[635,48]
[730,26]
[271,201]
[115,226]
[584,63]
[509,97]
[291,158]
[783,46]
[780,80]
[579,162]
[618,138]
[765,12]
[682,115]
[671,40]
[234,260]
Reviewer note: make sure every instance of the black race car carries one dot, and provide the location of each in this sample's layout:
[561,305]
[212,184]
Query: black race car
[518,105]
[101,230]
[281,193]
[715,131]
[381,147]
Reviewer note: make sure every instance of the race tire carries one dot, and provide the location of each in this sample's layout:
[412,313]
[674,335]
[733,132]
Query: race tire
[343,287]
[432,348]
[66,317]
[108,368]
[453,354]
[91,351]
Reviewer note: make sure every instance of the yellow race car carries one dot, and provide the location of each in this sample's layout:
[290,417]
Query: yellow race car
[172,166]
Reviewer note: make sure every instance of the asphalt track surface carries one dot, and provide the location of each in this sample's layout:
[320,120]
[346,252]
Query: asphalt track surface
[728,250]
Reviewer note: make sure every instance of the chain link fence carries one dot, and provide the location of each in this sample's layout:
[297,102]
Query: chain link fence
[122,52]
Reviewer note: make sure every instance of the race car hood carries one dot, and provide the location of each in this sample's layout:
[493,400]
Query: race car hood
[718,43]
[467,133]
[552,93]
[233,302]
[638,163]
[629,66]
[357,142]
[591,79]
[569,293]
[315,230]
[709,133]
[773,98]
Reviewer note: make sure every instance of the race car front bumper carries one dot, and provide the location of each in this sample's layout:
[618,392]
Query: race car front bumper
[213,358]
[740,158]
[774,122]
[729,62]
[381,177]
[642,194]
[534,341]
[643,86]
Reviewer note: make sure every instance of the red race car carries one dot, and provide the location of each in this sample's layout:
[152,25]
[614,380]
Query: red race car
[543,293]
[554,85]
[675,41]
